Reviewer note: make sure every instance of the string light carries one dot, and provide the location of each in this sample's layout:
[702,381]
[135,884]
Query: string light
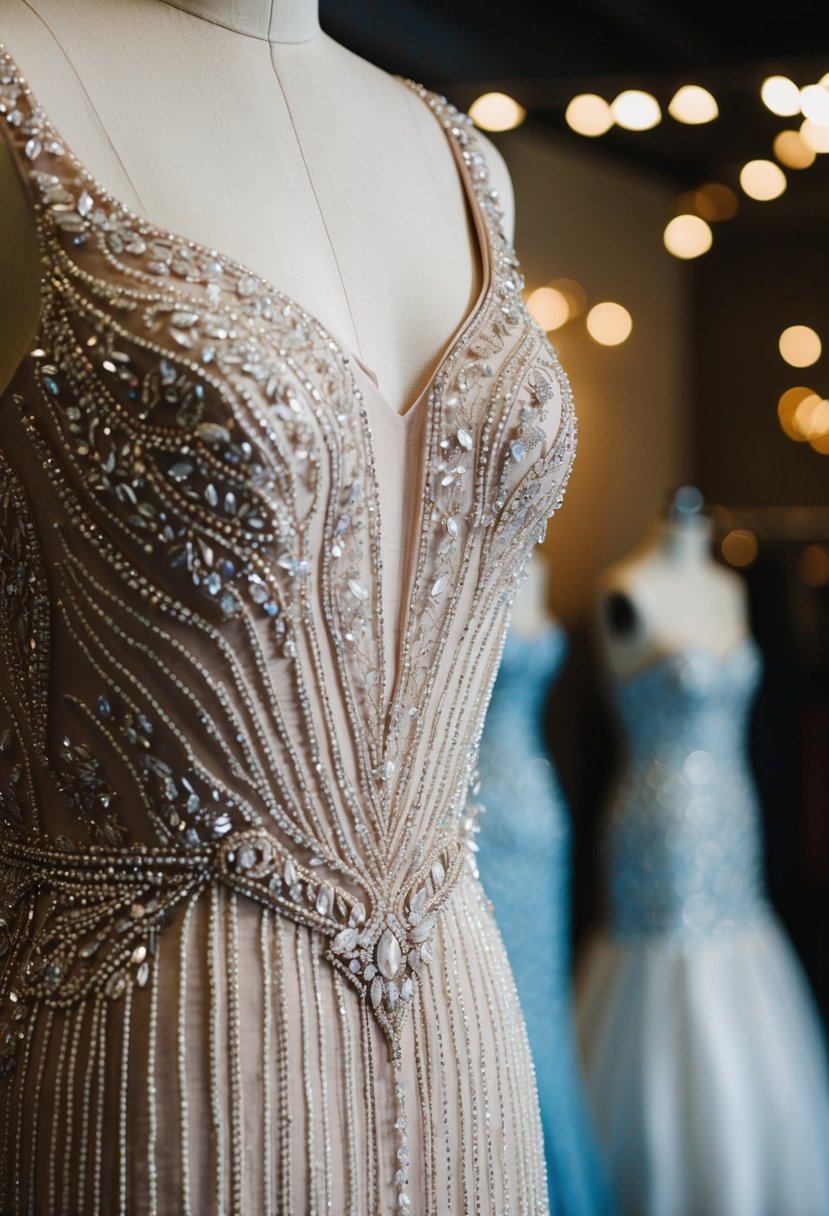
[687,236]
[573,293]
[762,180]
[739,547]
[497,112]
[588,114]
[693,105]
[781,96]
[550,308]
[814,135]
[792,150]
[814,103]
[787,408]
[715,202]
[813,566]
[609,324]
[800,346]
[635,110]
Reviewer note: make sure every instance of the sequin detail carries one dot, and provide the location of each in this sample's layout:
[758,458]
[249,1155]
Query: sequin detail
[682,850]
[229,725]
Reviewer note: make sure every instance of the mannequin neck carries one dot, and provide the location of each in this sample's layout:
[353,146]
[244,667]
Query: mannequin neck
[271,20]
[686,541]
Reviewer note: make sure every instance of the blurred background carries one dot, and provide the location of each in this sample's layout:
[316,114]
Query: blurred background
[671,173]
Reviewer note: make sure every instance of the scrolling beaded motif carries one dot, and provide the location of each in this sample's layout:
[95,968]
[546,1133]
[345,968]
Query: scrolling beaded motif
[188,418]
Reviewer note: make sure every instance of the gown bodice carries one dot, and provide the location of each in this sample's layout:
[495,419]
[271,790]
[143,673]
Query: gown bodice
[682,846]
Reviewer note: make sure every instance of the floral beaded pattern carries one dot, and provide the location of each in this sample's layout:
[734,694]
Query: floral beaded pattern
[215,560]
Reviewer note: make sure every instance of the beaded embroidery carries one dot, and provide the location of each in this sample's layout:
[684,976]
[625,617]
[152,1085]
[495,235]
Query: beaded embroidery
[205,447]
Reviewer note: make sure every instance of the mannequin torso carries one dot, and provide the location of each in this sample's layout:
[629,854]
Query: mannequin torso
[247,129]
[667,594]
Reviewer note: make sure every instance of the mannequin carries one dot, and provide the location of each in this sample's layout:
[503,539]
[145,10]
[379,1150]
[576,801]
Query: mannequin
[701,1043]
[247,964]
[669,593]
[244,127]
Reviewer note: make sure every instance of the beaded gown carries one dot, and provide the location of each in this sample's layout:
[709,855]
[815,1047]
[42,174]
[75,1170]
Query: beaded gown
[705,1060]
[245,965]
[524,863]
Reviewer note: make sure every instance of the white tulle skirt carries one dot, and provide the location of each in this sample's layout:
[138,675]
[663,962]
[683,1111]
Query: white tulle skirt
[707,1074]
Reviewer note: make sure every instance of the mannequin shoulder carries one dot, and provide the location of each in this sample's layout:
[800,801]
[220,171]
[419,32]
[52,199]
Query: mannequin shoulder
[501,180]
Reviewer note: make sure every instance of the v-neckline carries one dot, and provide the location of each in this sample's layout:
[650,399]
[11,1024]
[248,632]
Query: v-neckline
[405,418]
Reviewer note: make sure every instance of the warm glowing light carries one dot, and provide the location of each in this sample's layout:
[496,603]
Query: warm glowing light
[550,308]
[800,346]
[573,293]
[609,324]
[814,103]
[588,114]
[811,418]
[693,104]
[739,547]
[821,444]
[813,566]
[788,406]
[762,180]
[715,202]
[496,112]
[791,149]
[814,135]
[687,236]
[781,96]
[635,110]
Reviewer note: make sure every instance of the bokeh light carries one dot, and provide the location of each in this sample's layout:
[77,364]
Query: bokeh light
[813,566]
[496,112]
[573,293]
[687,236]
[694,105]
[739,547]
[781,96]
[791,149]
[762,180]
[800,346]
[715,202]
[788,406]
[815,135]
[588,114]
[635,110]
[812,418]
[550,308]
[814,103]
[609,324]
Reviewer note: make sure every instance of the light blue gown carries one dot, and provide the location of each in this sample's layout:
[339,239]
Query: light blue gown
[524,860]
[704,1058]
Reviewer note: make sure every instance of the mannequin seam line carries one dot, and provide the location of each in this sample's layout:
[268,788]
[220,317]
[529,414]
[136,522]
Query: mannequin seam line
[243,33]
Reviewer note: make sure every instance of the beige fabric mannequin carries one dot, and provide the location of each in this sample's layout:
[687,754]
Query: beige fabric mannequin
[243,126]
[205,698]
[666,594]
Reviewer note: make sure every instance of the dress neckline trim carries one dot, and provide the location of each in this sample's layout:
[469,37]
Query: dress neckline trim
[403,418]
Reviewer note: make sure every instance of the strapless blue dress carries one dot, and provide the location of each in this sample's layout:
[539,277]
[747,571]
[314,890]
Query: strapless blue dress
[524,860]
[704,1055]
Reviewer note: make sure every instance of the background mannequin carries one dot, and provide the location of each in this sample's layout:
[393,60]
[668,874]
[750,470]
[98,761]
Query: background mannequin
[669,592]
[524,858]
[704,1058]
[244,127]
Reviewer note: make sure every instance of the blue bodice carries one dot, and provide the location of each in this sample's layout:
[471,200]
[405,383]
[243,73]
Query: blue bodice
[682,849]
